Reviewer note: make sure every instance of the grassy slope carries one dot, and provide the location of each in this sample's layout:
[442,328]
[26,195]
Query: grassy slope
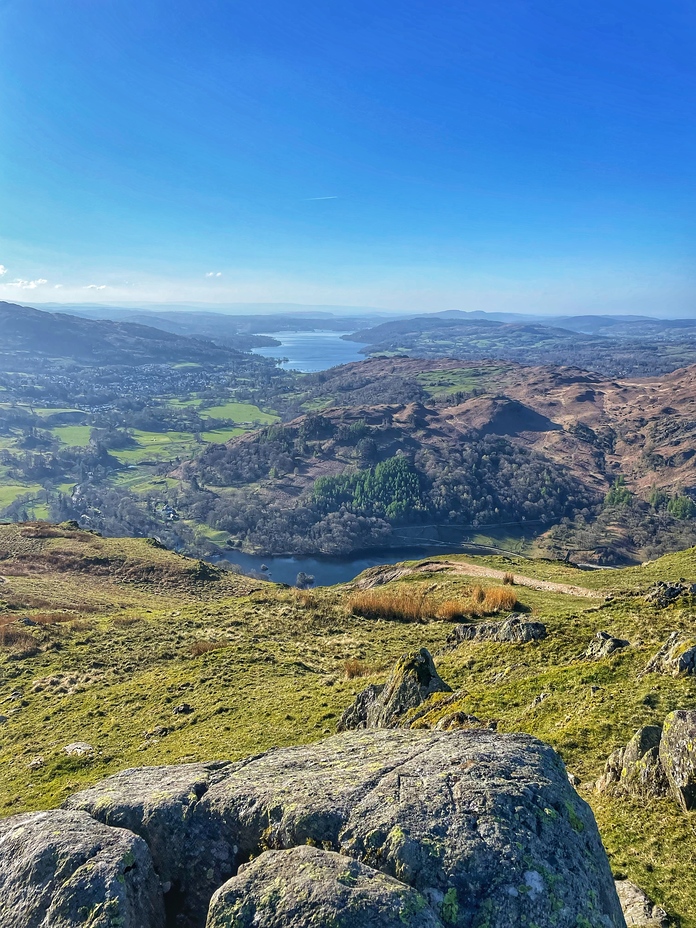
[120,659]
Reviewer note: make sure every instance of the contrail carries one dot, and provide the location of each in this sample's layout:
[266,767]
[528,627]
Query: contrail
[322,198]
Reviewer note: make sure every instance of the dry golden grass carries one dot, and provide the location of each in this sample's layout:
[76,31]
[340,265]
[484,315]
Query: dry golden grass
[197,648]
[51,618]
[404,604]
[479,602]
[499,599]
[305,598]
[12,637]
[355,668]
[509,579]
[412,604]
[125,621]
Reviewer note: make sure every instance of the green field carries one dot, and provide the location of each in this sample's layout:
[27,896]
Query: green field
[75,436]
[10,491]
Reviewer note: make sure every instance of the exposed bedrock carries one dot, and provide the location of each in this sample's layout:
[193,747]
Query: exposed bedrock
[63,869]
[485,827]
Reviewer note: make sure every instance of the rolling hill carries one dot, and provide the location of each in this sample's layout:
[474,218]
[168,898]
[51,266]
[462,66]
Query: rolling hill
[27,334]
[471,447]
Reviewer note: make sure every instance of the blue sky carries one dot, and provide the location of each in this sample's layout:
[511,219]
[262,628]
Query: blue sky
[487,154]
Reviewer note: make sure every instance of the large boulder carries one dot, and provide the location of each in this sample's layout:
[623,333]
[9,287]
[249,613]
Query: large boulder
[157,803]
[676,656]
[678,756]
[485,827]
[64,869]
[513,631]
[305,888]
[412,681]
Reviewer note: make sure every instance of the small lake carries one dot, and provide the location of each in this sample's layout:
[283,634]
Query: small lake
[311,351]
[325,570]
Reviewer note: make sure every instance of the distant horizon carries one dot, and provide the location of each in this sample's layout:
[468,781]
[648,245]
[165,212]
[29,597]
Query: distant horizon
[281,308]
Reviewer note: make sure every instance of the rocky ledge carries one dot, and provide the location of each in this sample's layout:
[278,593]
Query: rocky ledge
[368,828]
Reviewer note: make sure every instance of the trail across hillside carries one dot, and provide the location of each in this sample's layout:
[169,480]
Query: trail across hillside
[381,575]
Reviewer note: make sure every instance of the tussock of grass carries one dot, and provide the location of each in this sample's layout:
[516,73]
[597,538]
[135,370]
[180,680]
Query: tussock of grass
[409,603]
[403,604]
[196,648]
[356,668]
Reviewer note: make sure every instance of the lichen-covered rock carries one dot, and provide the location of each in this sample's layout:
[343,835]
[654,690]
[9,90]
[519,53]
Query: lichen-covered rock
[157,803]
[65,870]
[356,715]
[636,769]
[485,826]
[305,888]
[676,656]
[513,630]
[639,911]
[678,756]
[603,644]
[412,681]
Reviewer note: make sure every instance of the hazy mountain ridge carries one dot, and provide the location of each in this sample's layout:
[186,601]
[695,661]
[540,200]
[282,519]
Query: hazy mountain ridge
[38,334]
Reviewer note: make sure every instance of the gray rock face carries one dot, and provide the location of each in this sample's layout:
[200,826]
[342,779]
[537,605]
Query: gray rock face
[356,715]
[636,769]
[603,644]
[306,888]
[413,679]
[157,803]
[676,656]
[678,756]
[638,909]
[513,630]
[64,870]
[485,827]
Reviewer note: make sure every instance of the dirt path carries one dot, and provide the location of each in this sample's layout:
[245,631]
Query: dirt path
[478,570]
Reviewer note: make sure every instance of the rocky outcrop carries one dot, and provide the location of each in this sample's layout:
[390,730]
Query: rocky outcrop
[357,714]
[663,594]
[603,644]
[158,804]
[306,887]
[676,656]
[485,827]
[678,756]
[513,630]
[64,870]
[636,769]
[412,681]
[657,761]
[639,911]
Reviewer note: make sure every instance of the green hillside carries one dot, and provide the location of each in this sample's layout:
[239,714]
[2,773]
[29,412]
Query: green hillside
[101,640]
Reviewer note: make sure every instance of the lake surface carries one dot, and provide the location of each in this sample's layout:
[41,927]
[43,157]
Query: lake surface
[311,351]
[325,570]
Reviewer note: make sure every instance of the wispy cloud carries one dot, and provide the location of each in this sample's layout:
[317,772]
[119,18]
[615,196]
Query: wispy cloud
[323,198]
[3,270]
[57,286]
[26,284]
[95,287]
[214,274]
